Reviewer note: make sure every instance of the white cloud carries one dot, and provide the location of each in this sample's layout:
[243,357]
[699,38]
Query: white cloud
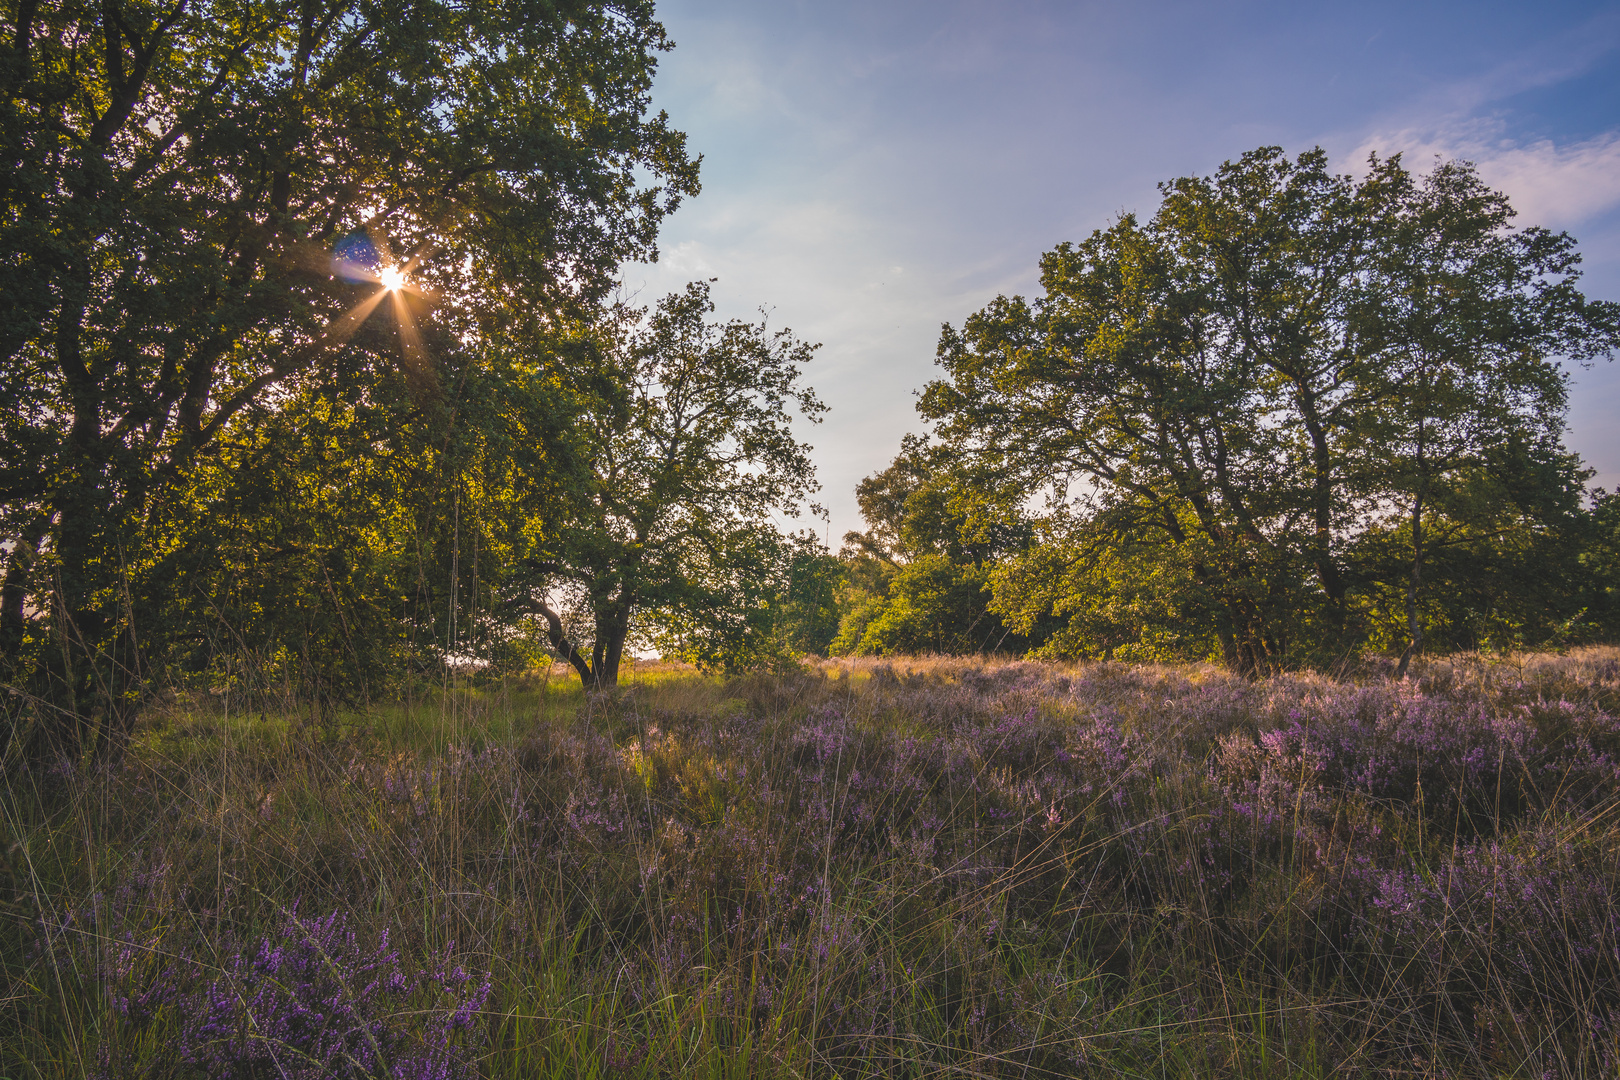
[1548,184]
[1558,186]
[687,260]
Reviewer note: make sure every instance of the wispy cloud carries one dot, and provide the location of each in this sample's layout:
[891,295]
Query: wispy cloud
[1557,183]
[1558,186]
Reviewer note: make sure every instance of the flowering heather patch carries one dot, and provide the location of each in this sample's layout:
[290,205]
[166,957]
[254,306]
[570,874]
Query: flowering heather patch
[312,1000]
[867,869]
[316,1003]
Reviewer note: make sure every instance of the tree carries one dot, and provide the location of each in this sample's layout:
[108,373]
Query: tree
[1221,389]
[1115,587]
[1457,317]
[807,613]
[679,456]
[177,177]
[918,577]
[332,549]
[1508,561]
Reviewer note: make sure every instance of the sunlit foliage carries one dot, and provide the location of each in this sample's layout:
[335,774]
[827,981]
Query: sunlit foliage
[198,202]
[1270,421]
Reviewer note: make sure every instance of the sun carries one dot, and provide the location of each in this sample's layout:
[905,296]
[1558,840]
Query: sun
[356,262]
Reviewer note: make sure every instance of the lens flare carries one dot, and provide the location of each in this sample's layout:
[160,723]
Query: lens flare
[357,259]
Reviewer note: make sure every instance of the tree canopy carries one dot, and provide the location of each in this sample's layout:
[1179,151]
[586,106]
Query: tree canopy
[1242,408]
[918,579]
[679,453]
[177,179]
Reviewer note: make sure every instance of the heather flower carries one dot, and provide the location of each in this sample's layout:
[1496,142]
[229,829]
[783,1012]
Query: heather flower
[313,1001]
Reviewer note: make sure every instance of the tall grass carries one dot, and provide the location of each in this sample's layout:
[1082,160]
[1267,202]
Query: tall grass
[921,868]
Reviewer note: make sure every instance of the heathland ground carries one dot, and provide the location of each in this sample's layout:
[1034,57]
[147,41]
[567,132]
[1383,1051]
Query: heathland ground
[923,867]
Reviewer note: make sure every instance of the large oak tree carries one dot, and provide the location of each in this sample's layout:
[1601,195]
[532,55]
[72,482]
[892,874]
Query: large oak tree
[1222,400]
[176,175]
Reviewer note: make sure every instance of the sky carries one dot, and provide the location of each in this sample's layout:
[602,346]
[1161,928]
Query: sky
[872,170]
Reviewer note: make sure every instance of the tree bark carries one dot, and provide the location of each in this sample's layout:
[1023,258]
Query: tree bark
[1322,484]
[611,635]
[14,590]
[566,648]
[1414,624]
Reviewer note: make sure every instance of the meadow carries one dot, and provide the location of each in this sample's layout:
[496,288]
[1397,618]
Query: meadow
[916,868]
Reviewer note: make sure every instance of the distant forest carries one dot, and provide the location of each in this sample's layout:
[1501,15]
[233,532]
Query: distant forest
[315,384]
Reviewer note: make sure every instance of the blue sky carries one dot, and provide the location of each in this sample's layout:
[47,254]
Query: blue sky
[872,170]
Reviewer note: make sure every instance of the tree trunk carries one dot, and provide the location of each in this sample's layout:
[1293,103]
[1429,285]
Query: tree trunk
[1253,654]
[126,691]
[66,679]
[1322,485]
[14,592]
[612,629]
[1414,624]
[565,648]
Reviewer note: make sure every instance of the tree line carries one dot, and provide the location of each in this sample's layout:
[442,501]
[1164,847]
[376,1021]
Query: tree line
[317,384]
[1292,416]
